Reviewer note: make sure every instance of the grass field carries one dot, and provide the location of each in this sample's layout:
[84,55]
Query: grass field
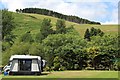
[26,22]
[84,75]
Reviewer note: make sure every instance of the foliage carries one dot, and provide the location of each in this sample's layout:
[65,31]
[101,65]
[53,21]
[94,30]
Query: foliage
[26,37]
[71,30]
[45,30]
[69,46]
[87,35]
[93,32]
[60,26]
[118,65]
[7,22]
[7,26]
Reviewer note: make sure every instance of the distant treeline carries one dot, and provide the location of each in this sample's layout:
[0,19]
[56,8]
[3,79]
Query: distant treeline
[70,18]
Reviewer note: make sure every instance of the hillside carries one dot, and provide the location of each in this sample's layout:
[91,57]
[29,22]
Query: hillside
[47,12]
[26,22]
[33,37]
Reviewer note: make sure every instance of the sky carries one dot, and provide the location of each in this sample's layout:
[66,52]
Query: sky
[103,11]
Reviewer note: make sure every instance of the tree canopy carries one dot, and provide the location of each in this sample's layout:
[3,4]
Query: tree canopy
[7,22]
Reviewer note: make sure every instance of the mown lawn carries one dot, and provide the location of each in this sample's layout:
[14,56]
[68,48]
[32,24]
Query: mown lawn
[65,75]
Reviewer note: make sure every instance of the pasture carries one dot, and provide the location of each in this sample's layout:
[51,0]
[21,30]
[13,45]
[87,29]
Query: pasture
[31,22]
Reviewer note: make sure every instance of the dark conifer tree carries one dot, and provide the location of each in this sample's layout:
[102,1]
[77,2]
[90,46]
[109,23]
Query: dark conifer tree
[87,35]
[60,26]
[58,15]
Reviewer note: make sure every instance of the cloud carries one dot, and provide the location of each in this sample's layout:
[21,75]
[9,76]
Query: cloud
[92,10]
[92,1]
[113,17]
[12,5]
[96,10]
[89,10]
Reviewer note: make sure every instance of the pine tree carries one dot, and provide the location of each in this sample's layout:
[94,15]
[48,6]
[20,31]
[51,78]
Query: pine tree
[87,35]
[8,23]
[46,27]
[60,26]
[17,10]
[45,30]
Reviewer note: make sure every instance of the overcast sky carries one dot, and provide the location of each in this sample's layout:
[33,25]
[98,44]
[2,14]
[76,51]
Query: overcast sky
[104,11]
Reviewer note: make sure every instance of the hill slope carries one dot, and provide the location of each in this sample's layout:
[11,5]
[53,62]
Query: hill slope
[26,22]
[70,18]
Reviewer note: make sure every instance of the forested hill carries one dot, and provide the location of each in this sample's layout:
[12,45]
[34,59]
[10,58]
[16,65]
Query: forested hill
[70,18]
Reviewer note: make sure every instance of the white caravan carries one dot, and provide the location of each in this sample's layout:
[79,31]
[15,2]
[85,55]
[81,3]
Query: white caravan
[25,64]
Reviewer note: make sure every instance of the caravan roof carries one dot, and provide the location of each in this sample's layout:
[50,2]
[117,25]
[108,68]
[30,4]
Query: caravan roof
[24,57]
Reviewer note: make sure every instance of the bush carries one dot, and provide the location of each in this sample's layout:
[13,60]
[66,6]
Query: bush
[76,66]
[47,68]
[118,65]
[56,66]
[62,68]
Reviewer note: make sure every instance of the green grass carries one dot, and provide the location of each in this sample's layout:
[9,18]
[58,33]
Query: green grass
[26,22]
[85,75]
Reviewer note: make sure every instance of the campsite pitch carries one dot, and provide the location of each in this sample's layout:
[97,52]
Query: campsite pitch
[72,75]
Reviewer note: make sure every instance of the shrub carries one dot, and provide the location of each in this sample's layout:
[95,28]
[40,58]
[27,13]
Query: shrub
[47,68]
[118,65]
[76,66]
[56,66]
[62,68]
